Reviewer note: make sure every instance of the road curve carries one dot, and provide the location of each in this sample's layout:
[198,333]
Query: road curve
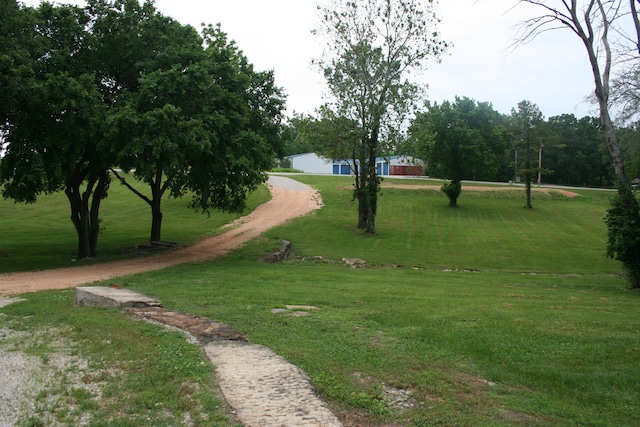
[289,199]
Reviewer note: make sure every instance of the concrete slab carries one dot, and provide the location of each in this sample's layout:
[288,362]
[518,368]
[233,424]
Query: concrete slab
[112,297]
[265,389]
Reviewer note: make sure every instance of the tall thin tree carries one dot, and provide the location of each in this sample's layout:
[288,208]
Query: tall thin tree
[372,46]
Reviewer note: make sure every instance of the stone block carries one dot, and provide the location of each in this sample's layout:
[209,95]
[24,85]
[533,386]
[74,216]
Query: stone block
[112,297]
[282,253]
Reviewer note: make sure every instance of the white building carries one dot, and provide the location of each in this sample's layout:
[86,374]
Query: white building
[311,163]
[386,166]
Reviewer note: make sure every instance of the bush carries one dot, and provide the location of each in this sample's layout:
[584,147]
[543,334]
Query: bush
[452,189]
[623,224]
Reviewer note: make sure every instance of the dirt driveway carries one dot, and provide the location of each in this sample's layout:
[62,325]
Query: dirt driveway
[289,199]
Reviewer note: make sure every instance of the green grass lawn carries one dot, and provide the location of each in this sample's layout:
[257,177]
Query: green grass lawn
[41,236]
[490,314]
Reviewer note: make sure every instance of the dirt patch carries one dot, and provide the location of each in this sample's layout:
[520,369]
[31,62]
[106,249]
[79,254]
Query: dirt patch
[545,190]
[287,201]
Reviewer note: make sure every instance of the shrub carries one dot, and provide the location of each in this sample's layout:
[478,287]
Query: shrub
[623,224]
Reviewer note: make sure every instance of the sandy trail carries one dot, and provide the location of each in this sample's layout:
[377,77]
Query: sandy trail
[480,188]
[290,199]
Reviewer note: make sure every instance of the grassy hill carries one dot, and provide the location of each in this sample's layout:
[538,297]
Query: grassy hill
[486,315]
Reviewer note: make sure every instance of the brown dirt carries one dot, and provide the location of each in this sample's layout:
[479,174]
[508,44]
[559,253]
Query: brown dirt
[284,205]
[480,188]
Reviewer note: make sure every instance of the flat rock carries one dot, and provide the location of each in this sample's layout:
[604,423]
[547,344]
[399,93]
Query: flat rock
[302,307]
[354,262]
[204,329]
[265,389]
[112,297]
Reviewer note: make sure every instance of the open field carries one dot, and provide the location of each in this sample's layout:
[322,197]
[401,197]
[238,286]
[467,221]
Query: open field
[485,315]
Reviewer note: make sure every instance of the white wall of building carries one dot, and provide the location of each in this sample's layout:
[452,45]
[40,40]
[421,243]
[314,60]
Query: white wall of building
[311,163]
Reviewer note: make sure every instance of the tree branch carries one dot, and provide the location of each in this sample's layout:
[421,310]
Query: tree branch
[124,182]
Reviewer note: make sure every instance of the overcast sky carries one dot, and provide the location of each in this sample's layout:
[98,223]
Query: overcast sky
[552,71]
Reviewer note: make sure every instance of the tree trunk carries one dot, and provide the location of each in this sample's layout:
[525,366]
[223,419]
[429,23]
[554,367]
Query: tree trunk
[372,187]
[157,191]
[611,140]
[154,203]
[373,183]
[601,80]
[94,218]
[80,220]
[528,175]
[358,192]
[156,220]
[363,198]
[85,220]
[528,179]
[362,210]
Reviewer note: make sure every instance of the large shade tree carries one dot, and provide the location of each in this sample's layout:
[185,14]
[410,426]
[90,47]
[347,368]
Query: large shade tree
[609,30]
[54,124]
[194,118]
[117,83]
[371,47]
[463,139]
[151,122]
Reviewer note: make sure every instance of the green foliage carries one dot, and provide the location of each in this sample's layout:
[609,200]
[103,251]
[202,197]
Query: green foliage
[331,136]
[198,119]
[452,189]
[578,156]
[53,135]
[574,150]
[527,126]
[366,76]
[623,222]
[15,63]
[117,84]
[628,138]
[460,140]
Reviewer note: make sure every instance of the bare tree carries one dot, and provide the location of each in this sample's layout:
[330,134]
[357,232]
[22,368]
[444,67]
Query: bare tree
[594,22]
[625,87]
[603,27]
